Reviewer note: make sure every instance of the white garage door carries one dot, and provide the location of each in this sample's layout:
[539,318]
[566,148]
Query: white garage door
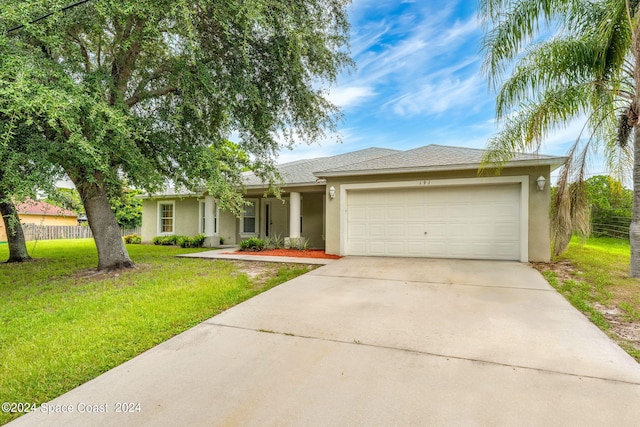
[474,222]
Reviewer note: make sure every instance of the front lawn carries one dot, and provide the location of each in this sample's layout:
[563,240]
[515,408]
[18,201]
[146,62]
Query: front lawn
[61,324]
[594,276]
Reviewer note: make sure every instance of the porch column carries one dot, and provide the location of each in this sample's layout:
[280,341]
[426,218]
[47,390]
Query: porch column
[294,214]
[208,216]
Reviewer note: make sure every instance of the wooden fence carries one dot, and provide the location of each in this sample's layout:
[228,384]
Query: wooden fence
[53,232]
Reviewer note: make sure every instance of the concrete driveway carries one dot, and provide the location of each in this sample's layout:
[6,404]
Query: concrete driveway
[377,341]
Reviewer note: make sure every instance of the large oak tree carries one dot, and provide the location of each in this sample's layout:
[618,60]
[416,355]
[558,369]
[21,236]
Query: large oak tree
[147,91]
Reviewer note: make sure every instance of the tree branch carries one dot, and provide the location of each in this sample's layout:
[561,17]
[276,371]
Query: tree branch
[140,96]
[83,51]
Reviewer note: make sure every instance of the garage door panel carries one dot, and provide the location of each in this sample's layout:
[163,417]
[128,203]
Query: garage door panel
[395,229]
[376,213]
[460,222]
[357,213]
[377,230]
[415,212]
[395,212]
[377,248]
[358,230]
[394,247]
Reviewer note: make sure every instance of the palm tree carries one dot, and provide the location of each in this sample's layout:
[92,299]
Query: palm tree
[568,60]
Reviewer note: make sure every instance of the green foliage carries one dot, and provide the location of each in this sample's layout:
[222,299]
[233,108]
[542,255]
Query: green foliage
[127,208]
[132,239]
[106,86]
[148,92]
[61,327]
[274,242]
[67,198]
[183,241]
[607,193]
[611,206]
[299,243]
[190,242]
[252,244]
[168,240]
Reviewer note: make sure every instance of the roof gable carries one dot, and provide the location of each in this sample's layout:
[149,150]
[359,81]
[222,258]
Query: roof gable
[38,207]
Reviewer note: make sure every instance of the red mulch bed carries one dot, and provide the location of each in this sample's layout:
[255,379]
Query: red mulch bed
[307,253]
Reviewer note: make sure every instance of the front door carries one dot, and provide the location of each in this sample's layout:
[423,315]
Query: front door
[276,218]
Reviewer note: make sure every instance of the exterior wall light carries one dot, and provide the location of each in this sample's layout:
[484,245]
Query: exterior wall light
[332,192]
[541,181]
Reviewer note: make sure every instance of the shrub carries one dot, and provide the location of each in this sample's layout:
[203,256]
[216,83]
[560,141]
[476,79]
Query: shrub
[275,242]
[183,241]
[252,244]
[191,242]
[132,239]
[299,243]
[165,240]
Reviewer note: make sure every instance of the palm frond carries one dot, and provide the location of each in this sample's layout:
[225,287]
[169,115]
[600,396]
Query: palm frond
[515,24]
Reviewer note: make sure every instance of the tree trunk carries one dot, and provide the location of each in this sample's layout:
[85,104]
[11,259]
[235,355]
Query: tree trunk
[112,254]
[634,229]
[15,236]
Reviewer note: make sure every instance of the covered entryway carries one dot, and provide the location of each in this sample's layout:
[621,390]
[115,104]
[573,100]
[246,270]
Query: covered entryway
[471,221]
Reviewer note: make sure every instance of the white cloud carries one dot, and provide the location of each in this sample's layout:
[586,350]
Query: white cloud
[436,97]
[350,95]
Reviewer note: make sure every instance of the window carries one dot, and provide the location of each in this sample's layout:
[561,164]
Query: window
[249,218]
[166,217]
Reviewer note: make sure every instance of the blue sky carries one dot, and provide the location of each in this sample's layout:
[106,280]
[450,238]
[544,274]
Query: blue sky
[417,81]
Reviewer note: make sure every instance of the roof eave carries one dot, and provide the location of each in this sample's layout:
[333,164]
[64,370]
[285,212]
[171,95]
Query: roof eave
[553,163]
[284,185]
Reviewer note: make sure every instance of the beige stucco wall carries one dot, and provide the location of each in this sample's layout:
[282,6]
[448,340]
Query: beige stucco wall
[539,202]
[186,217]
[228,224]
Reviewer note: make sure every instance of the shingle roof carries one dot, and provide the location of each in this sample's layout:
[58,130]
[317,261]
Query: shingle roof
[430,157]
[36,207]
[301,171]
[379,161]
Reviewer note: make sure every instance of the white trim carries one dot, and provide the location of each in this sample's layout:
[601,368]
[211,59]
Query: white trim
[256,232]
[523,180]
[159,217]
[201,214]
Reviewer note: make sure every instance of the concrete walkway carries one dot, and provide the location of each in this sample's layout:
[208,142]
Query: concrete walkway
[377,341]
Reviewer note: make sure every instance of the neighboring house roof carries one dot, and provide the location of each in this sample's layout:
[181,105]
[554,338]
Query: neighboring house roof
[38,207]
[432,157]
[300,172]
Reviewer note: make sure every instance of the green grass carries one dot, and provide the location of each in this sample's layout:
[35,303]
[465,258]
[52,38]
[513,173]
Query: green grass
[601,278]
[62,324]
